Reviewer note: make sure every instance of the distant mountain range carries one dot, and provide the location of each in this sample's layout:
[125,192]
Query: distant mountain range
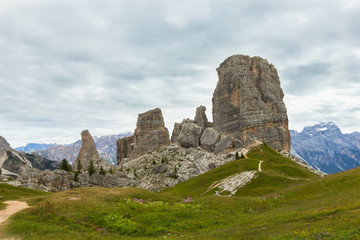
[106,146]
[324,147]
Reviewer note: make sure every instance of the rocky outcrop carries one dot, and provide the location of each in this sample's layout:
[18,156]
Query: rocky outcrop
[150,135]
[13,161]
[124,148]
[248,102]
[200,117]
[60,180]
[4,145]
[88,153]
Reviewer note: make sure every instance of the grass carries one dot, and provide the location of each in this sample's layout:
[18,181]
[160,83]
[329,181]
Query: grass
[8,192]
[272,206]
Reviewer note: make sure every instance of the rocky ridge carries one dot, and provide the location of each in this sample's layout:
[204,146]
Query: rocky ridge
[13,162]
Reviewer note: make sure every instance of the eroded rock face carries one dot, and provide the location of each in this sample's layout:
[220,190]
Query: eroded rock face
[248,102]
[4,144]
[124,148]
[200,117]
[88,153]
[150,135]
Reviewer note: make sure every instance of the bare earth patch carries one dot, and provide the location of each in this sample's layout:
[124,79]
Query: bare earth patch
[13,207]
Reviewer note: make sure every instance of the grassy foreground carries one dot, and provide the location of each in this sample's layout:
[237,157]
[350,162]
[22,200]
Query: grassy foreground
[292,203]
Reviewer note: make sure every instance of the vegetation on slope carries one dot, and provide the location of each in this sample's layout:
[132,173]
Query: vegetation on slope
[282,208]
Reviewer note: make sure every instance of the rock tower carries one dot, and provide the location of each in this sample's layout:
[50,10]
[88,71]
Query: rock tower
[150,134]
[88,153]
[248,102]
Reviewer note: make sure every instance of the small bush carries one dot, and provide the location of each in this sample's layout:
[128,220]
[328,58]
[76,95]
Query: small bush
[237,156]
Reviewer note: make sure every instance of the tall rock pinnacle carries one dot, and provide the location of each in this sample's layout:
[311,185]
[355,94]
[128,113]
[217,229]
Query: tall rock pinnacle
[87,152]
[248,102]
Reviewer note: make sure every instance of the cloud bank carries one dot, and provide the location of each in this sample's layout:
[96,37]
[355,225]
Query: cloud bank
[72,65]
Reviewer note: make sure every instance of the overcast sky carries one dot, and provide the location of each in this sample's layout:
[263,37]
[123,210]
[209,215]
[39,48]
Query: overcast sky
[69,65]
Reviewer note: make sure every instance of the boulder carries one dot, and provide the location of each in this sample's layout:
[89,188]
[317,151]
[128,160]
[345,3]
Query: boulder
[189,135]
[209,138]
[248,102]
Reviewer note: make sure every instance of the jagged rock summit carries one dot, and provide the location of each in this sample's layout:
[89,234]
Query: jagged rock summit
[248,102]
[87,153]
[4,144]
[150,134]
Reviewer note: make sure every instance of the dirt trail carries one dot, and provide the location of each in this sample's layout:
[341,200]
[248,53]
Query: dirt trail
[12,207]
[260,166]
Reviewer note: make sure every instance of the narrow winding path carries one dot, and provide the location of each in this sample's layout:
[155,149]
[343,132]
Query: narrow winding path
[12,207]
[260,165]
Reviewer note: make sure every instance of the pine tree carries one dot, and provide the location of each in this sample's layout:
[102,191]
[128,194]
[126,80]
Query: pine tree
[102,171]
[79,166]
[65,165]
[237,156]
[91,168]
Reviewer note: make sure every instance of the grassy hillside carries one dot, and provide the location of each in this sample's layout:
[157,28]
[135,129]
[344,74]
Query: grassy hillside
[285,201]
[277,173]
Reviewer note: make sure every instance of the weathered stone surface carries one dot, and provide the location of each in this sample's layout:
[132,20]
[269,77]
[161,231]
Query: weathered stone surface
[176,132]
[200,117]
[4,144]
[227,144]
[190,135]
[248,102]
[150,133]
[88,153]
[124,148]
[209,138]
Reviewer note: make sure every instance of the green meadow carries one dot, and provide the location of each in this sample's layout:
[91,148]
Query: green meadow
[284,201]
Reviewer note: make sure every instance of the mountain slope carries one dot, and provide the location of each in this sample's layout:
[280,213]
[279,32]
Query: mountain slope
[325,148]
[264,171]
[14,161]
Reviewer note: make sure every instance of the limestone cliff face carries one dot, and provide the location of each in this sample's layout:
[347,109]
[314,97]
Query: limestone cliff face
[87,153]
[150,134]
[248,102]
